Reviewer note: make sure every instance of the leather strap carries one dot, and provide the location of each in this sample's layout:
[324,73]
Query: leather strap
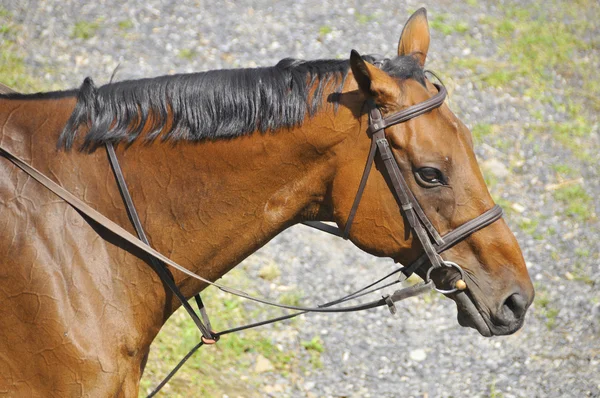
[162,271]
[409,205]
[389,300]
[458,235]
[376,124]
[410,112]
[361,188]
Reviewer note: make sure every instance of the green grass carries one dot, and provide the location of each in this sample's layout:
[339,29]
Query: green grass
[85,30]
[364,19]
[480,131]
[442,23]
[545,307]
[315,344]
[575,136]
[203,374]
[125,24]
[551,315]
[546,54]
[494,393]
[324,30]
[13,71]
[187,53]
[564,170]
[269,272]
[536,43]
[291,298]
[580,272]
[528,226]
[578,203]
[315,348]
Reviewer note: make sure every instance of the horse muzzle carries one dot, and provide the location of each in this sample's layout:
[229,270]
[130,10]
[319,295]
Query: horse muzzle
[506,319]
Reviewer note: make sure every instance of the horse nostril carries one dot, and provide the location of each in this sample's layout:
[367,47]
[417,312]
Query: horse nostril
[515,305]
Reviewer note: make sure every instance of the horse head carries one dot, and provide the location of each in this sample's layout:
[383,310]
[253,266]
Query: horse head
[434,153]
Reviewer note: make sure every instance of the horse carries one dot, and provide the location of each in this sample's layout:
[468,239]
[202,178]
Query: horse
[218,163]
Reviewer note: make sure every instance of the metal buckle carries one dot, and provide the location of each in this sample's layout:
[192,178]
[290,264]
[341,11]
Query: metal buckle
[390,304]
[448,264]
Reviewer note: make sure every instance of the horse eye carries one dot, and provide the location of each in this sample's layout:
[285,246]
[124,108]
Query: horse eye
[429,177]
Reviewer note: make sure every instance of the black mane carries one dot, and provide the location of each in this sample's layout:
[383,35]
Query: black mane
[211,105]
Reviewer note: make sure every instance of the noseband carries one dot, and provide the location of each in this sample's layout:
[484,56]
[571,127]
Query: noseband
[433,244]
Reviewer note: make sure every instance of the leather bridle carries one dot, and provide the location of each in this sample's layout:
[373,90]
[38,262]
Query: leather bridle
[433,244]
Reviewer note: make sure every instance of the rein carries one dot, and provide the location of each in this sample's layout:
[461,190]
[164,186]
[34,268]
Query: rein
[433,244]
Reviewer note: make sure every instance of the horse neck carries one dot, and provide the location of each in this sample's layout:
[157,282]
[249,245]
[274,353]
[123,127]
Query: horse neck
[22,118]
[207,205]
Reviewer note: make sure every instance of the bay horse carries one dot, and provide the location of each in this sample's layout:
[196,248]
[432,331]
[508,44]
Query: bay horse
[218,164]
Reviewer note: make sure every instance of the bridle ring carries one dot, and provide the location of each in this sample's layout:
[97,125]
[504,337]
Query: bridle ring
[449,264]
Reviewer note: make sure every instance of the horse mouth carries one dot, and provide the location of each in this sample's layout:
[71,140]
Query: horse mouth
[469,315]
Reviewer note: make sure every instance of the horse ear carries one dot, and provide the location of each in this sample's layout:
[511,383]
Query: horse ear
[373,82]
[414,39]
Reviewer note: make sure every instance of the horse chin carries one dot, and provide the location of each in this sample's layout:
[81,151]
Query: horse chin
[469,315]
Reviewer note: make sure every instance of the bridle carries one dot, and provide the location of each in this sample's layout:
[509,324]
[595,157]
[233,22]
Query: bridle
[433,244]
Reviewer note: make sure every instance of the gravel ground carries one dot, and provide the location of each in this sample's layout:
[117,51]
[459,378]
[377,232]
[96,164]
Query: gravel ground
[422,351]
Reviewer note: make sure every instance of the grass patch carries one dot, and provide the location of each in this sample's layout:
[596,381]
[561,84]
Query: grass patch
[499,78]
[580,274]
[442,23]
[291,298]
[551,315]
[364,19]
[85,30]
[125,24]
[564,170]
[577,201]
[494,393]
[573,135]
[315,348]
[203,373]
[315,344]
[481,130]
[13,71]
[269,272]
[324,30]
[538,48]
[186,53]
[528,226]
[547,311]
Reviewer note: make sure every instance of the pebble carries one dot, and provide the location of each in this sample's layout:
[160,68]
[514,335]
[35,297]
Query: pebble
[418,355]
[262,365]
[495,167]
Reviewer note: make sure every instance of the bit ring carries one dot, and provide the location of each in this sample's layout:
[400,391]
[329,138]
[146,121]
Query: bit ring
[449,264]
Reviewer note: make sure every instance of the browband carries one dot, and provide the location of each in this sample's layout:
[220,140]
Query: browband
[412,111]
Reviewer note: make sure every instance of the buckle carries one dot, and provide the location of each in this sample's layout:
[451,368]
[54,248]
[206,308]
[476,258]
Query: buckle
[214,337]
[390,304]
